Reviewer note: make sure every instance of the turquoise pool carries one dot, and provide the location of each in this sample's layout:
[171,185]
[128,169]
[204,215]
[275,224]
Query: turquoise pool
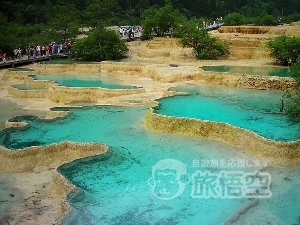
[123,186]
[255,110]
[84,80]
[116,188]
[266,71]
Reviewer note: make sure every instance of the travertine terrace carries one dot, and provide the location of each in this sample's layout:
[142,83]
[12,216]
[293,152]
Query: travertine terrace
[154,65]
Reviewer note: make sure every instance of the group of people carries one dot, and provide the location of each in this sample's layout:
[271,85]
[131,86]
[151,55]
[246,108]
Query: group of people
[47,49]
[3,57]
[207,23]
[129,32]
[33,51]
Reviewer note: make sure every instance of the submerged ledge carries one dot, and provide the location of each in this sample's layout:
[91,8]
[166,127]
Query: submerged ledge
[41,160]
[67,95]
[50,156]
[275,152]
[158,72]
[57,93]
[259,82]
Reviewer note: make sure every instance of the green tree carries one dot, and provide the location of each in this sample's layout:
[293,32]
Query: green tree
[291,18]
[293,97]
[101,44]
[234,19]
[204,46]
[100,13]
[8,39]
[285,49]
[188,25]
[41,11]
[161,21]
[267,20]
[31,34]
[66,22]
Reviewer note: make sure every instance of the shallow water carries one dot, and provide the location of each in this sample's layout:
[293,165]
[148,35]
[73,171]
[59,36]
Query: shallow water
[25,87]
[253,110]
[130,60]
[84,80]
[20,69]
[5,197]
[266,71]
[65,61]
[117,188]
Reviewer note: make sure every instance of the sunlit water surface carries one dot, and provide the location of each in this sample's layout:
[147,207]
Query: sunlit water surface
[84,80]
[254,110]
[265,71]
[116,188]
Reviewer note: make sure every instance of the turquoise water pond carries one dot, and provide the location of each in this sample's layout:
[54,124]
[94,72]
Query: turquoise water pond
[116,188]
[255,110]
[137,181]
[84,80]
[266,71]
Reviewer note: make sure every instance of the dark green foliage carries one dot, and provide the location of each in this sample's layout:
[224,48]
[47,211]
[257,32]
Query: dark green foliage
[234,19]
[292,99]
[162,21]
[267,20]
[26,22]
[7,37]
[204,46]
[295,71]
[285,49]
[188,26]
[65,23]
[100,45]
[292,18]
[99,13]
[41,11]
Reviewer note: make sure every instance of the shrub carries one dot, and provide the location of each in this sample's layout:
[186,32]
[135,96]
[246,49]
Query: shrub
[100,45]
[292,18]
[267,20]
[204,46]
[285,49]
[292,98]
[161,22]
[234,19]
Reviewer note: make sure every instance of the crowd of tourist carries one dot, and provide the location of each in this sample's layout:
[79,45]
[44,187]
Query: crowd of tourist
[130,32]
[213,23]
[33,51]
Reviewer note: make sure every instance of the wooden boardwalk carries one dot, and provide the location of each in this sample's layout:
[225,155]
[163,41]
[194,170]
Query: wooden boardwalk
[25,61]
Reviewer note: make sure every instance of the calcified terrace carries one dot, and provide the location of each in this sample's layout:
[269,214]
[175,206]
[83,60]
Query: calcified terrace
[155,78]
